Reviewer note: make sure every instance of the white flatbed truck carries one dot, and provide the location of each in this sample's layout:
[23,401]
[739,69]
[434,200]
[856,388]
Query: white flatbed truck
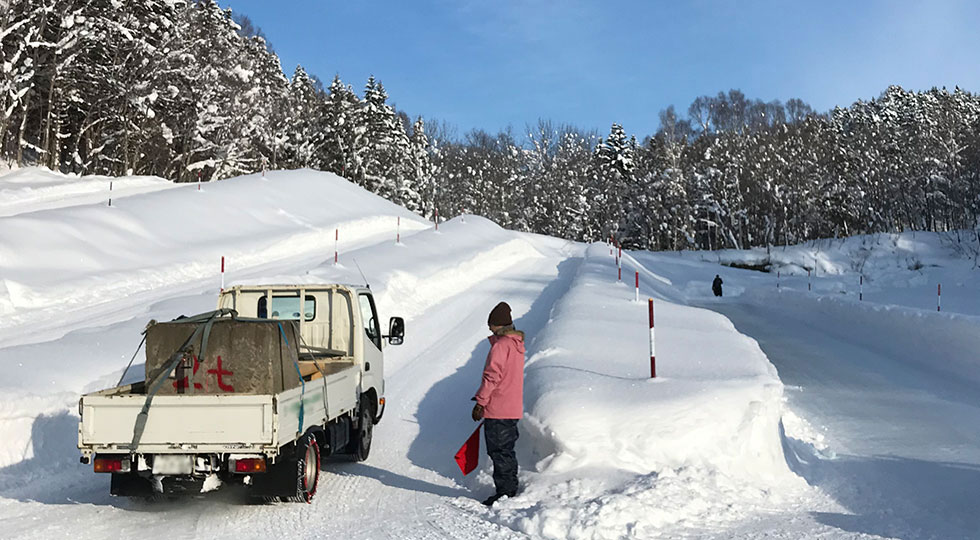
[253,393]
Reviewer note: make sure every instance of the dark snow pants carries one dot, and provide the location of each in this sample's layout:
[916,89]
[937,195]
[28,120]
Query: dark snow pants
[501,436]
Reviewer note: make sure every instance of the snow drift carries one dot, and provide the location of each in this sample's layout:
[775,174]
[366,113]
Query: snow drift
[33,188]
[614,444]
[76,258]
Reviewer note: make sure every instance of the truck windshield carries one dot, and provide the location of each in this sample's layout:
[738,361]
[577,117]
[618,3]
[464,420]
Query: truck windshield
[286,308]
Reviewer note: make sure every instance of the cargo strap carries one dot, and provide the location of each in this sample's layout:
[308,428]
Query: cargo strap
[206,321]
[130,364]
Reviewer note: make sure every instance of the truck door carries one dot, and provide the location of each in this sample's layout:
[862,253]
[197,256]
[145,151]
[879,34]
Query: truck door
[373,358]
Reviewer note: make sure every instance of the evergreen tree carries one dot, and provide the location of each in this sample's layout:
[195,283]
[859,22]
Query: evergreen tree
[422,177]
[341,132]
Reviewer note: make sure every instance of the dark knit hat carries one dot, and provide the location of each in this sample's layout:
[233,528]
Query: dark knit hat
[500,316]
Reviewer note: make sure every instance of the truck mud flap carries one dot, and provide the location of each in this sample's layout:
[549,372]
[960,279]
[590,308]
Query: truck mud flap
[130,485]
[279,481]
[338,433]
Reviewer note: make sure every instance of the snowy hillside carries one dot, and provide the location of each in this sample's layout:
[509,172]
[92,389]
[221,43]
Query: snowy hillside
[77,259]
[606,452]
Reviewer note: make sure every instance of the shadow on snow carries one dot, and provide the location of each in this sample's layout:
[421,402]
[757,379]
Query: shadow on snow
[891,496]
[444,413]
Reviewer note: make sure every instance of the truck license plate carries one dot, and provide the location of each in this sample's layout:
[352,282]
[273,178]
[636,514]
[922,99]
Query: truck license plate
[173,464]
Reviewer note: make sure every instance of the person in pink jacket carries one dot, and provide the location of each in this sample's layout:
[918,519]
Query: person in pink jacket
[500,399]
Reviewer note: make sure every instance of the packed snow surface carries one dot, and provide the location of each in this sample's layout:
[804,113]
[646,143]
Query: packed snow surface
[710,448]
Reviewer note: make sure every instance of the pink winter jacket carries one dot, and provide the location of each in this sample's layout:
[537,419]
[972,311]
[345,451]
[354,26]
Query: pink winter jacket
[502,391]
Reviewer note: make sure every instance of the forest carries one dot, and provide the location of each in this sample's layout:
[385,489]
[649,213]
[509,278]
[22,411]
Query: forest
[188,91]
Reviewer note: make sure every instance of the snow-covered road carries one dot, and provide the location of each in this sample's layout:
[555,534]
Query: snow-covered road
[902,441]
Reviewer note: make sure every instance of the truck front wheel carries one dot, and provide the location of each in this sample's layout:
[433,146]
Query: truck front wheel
[361,441]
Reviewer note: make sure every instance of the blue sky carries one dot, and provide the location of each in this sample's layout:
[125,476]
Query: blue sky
[492,64]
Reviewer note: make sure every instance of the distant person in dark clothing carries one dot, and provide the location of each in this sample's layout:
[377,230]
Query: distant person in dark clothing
[716,285]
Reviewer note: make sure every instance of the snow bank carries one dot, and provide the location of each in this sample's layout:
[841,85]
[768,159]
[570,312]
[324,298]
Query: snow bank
[75,258]
[34,188]
[412,276]
[622,454]
[24,437]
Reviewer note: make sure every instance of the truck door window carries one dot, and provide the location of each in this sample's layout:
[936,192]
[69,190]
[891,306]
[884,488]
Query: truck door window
[370,318]
[286,308]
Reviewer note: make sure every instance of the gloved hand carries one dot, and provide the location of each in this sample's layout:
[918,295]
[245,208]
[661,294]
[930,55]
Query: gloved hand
[477,412]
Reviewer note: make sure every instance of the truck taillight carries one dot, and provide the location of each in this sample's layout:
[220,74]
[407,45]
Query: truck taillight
[111,464]
[250,465]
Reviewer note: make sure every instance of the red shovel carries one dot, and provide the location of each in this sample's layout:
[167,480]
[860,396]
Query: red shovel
[468,456]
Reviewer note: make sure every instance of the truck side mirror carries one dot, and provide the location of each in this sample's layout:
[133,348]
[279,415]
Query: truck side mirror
[396,331]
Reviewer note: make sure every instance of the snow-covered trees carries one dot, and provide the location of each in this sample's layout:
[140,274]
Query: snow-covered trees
[302,120]
[181,89]
[737,172]
[341,132]
[385,161]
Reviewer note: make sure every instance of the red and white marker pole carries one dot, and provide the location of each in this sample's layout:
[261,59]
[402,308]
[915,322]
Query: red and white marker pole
[110,193]
[637,286]
[222,272]
[336,245]
[653,347]
[398,231]
[777,278]
[437,219]
[861,290]
[939,297]
[199,180]
[809,285]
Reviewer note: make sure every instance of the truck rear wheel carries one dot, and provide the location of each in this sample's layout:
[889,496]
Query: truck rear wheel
[307,468]
[294,478]
[361,440]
